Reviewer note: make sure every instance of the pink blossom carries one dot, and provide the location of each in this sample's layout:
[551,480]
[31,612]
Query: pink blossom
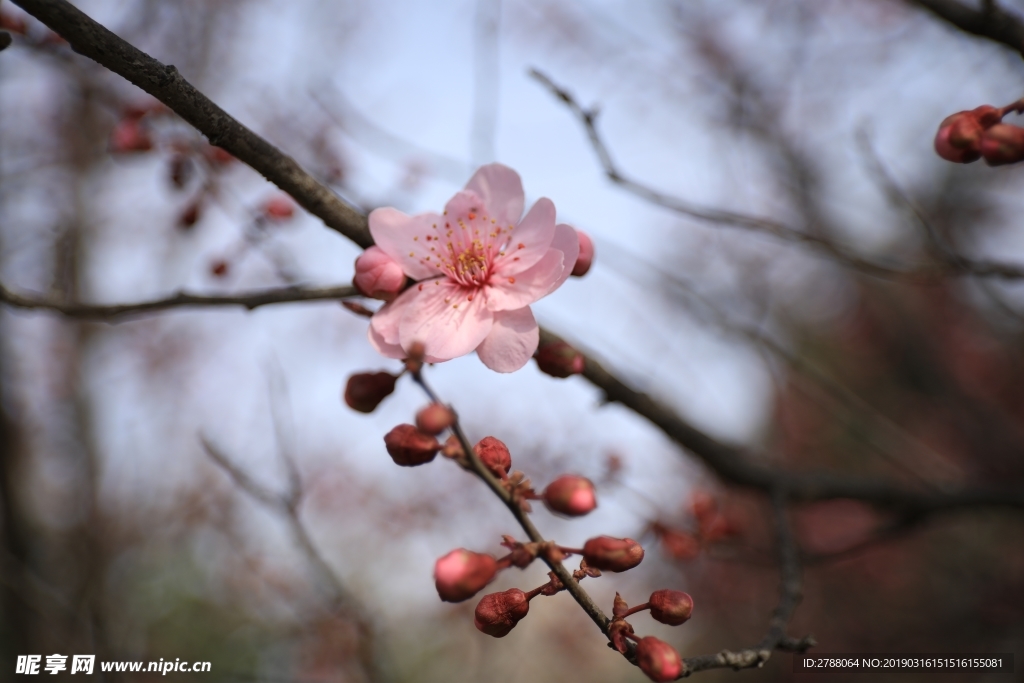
[377,275]
[479,268]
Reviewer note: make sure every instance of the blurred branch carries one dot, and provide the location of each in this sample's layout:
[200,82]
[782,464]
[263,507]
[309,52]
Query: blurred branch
[165,83]
[781,231]
[790,594]
[249,300]
[738,466]
[988,21]
[287,506]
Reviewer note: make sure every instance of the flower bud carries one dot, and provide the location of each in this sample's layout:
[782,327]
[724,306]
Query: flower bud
[959,136]
[365,390]
[658,659]
[494,454]
[586,257]
[461,574]
[558,359]
[435,418]
[279,207]
[570,495]
[612,554]
[1002,144]
[409,447]
[498,613]
[378,275]
[671,607]
[679,545]
[219,268]
[217,156]
[129,136]
[12,23]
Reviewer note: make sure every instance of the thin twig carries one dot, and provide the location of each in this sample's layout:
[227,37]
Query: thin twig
[990,21]
[249,300]
[790,594]
[928,272]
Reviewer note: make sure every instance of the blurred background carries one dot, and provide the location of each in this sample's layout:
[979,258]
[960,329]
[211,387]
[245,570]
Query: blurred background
[123,537]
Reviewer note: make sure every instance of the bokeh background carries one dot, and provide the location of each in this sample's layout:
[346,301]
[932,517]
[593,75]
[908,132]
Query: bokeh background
[122,537]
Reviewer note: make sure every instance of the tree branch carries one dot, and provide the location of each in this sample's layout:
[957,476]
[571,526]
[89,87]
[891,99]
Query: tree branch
[89,38]
[990,21]
[928,272]
[249,300]
[790,594]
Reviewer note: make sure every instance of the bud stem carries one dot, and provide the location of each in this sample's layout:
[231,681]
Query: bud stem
[634,610]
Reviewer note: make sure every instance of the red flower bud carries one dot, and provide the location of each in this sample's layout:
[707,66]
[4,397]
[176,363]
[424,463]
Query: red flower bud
[679,545]
[703,504]
[409,447]
[586,257]
[498,613]
[461,574]
[279,207]
[378,275]
[217,156]
[219,268]
[365,390]
[1002,144]
[11,23]
[671,607]
[570,495]
[494,455]
[189,217]
[658,659]
[612,554]
[435,418]
[129,136]
[180,170]
[959,136]
[558,359]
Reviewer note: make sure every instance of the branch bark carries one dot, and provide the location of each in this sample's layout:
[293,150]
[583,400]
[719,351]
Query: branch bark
[989,21]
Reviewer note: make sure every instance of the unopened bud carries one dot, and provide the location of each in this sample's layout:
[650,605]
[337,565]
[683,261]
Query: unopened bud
[378,275]
[959,136]
[703,505]
[586,257]
[217,156]
[671,607]
[364,391]
[1002,144]
[279,207]
[658,660]
[435,418]
[498,613]
[558,359]
[410,447]
[129,136]
[11,23]
[612,554]
[180,171]
[461,574]
[189,217]
[494,454]
[679,545]
[219,268]
[570,495]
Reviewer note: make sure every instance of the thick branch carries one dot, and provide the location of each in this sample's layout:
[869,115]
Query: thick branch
[165,83]
[249,300]
[989,21]
[738,466]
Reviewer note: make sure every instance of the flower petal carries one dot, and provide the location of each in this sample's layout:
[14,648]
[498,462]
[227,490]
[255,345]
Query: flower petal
[512,341]
[383,331]
[522,289]
[529,240]
[448,319]
[568,242]
[501,191]
[405,239]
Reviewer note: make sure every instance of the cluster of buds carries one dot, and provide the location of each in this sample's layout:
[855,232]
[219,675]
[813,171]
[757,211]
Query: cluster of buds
[967,136]
[707,526]
[656,658]
[462,574]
